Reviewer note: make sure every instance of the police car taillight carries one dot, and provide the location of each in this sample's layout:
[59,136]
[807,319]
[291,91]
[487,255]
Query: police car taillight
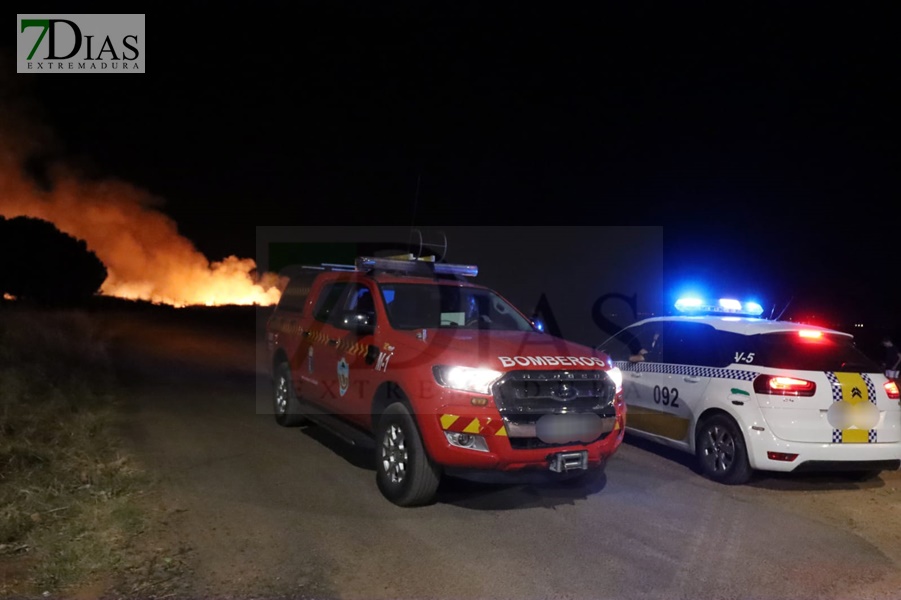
[781,456]
[891,388]
[780,385]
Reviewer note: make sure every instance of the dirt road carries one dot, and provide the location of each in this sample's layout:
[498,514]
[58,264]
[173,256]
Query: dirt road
[265,512]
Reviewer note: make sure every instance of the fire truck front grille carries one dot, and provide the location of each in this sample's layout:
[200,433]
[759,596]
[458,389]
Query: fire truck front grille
[525,397]
[555,392]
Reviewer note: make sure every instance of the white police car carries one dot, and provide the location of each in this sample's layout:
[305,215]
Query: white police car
[744,393]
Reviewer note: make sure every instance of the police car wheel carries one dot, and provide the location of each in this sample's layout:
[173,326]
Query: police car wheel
[284,398]
[404,473]
[721,451]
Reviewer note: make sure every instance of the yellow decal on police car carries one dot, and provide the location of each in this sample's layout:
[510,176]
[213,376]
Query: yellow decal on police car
[658,422]
[854,415]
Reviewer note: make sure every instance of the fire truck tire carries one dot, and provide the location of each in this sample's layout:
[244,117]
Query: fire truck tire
[285,403]
[404,472]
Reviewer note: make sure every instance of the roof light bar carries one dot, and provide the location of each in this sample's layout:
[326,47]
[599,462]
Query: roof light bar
[368,263]
[337,267]
[753,308]
[463,270]
[728,306]
[686,304]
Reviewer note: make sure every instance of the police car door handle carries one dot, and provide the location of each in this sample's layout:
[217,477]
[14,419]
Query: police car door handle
[635,374]
[690,379]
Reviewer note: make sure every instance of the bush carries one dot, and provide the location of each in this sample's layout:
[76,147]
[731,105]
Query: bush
[43,265]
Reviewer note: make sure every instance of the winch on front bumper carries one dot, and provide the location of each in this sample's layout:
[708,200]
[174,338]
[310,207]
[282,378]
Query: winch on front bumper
[563,462]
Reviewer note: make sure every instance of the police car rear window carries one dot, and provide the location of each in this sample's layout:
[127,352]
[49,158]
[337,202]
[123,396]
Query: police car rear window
[790,350]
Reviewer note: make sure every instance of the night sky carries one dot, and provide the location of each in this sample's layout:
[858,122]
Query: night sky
[763,139]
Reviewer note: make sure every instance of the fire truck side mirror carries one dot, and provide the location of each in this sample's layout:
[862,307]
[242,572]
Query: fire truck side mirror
[361,323]
[372,353]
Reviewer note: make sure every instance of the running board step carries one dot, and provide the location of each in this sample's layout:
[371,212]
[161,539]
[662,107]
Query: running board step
[347,432]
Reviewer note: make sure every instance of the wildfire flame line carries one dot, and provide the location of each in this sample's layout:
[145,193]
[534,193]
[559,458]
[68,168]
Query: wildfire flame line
[145,256]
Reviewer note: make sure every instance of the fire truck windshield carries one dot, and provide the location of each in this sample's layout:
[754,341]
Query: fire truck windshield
[423,305]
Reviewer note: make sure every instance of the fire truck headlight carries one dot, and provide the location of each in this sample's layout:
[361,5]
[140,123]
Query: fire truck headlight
[467,379]
[617,376]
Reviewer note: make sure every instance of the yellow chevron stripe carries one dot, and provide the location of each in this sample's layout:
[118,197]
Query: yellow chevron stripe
[850,382]
[473,427]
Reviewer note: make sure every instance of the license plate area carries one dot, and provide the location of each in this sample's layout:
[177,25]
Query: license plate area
[569,461]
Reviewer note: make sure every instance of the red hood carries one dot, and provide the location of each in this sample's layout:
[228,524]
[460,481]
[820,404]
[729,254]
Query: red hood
[499,350]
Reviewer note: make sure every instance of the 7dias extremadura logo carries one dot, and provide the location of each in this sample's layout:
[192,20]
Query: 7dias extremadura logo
[80,43]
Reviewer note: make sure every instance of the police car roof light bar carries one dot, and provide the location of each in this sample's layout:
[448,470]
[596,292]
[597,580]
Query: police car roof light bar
[414,266]
[753,308]
[728,306]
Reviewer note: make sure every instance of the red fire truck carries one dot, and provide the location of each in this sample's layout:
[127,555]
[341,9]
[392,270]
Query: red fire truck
[439,375]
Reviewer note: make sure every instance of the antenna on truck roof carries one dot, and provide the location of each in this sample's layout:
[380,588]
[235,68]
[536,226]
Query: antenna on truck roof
[440,256]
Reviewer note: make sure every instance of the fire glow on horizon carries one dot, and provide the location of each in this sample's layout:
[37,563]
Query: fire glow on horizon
[145,256]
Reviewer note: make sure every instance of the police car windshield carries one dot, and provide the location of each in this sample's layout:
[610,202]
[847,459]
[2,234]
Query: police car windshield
[418,306]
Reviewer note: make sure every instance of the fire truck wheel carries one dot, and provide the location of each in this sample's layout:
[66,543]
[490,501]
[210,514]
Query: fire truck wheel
[404,473]
[284,398]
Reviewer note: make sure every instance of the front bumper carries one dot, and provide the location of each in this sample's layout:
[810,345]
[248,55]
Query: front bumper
[511,446]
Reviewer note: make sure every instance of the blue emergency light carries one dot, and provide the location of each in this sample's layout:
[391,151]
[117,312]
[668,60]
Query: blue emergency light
[727,306]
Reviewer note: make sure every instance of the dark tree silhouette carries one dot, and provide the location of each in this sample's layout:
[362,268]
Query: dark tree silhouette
[41,264]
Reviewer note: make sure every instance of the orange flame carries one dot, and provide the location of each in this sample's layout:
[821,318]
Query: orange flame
[145,256]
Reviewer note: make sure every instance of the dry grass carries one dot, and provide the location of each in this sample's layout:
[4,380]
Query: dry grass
[70,501]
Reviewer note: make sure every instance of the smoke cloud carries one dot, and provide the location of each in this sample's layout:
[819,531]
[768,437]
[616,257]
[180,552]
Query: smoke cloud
[145,256]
